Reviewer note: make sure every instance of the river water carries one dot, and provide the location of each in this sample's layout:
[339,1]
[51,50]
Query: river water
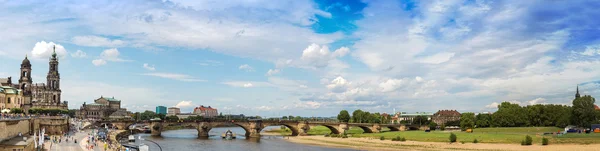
[186,140]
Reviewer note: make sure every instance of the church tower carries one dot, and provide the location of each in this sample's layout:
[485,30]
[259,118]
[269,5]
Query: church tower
[53,78]
[577,94]
[25,80]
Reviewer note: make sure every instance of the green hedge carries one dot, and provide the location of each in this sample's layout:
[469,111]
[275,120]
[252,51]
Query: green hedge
[16,110]
[51,112]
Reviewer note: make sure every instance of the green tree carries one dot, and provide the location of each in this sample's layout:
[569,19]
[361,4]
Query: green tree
[583,111]
[16,111]
[509,115]
[298,118]
[483,120]
[161,116]
[172,118]
[147,115]
[343,116]
[421,120]
[467,120]
[284,117]
[432,125]
[357,116]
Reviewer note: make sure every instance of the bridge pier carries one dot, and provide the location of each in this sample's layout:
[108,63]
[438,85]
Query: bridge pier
[303,128]
[253,130]
[343,128]
[376,128]
[203,129]
[156,128]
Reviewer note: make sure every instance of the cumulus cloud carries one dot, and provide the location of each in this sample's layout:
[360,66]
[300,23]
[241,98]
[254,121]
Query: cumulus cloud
[79,54]
[246,68]
[338,85]
[175,76]
[149,67]
[272,72]
[247,84]
[109,55]
[493,105]
[44,50]
[185,104]
[98,62]
[390,85]
[537,101]
[320,56]
[591,50]
[96,41]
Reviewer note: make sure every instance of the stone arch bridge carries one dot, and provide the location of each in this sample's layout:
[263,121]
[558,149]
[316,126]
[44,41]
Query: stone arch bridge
[253,128]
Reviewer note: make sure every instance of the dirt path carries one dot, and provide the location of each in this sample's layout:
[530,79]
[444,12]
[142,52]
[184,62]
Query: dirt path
[375,144]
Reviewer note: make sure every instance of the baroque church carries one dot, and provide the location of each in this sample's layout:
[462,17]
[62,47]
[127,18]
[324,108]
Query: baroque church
[35,95]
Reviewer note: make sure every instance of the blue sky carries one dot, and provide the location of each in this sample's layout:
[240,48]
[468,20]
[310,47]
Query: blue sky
[309,58]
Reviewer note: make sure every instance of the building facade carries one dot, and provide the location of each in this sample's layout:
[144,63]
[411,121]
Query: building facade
[11,97]
[206,111]
[102,107]
[443,116]
[36,95]
[404,116]
[173,111]
[161,110]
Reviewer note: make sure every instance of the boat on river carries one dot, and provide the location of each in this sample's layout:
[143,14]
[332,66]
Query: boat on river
[229,135]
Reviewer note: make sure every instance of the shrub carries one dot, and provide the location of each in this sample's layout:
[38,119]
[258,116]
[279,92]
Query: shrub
[528,140]
[475,141]
[334,135]
[326,135]
[396,139]
[344,135]
[462,142]
[403,139]
[452,138]
[381,138]
[544,141]
[443,127]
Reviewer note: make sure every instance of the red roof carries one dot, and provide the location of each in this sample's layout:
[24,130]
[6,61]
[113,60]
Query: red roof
[202,108]
[596,107]
[447,113]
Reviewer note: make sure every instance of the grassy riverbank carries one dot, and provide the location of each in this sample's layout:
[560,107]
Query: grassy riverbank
[483,135]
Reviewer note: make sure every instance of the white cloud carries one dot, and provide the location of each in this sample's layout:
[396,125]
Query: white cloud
[79,54]
[438,58]
[44,50]
[591,50]
[264,108]
[112,54]
[537,101]
[174,76]
[185,104]
[493,105]
[246,68]
[96,41]
[308,105]
[272,72]
[320,56]
[247,84]
[148,67]
[390,85]
[338,85]
[210,63]
[98,62]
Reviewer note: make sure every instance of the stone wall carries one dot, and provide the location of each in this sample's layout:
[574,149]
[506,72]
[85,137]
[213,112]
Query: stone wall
[53,125]
[11,128]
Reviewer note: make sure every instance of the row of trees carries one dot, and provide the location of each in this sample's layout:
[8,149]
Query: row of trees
[359,116]
[581,113]
[52,112]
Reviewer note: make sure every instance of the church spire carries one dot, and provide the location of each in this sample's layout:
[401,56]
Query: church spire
[577,94]
[54,52]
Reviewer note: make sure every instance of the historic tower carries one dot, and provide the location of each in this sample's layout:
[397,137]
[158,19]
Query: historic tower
[53,79]
[577,94]
[25,80]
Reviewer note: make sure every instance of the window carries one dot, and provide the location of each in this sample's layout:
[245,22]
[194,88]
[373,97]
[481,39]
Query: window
[8,100]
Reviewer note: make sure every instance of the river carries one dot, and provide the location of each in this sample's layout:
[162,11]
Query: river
[186,140]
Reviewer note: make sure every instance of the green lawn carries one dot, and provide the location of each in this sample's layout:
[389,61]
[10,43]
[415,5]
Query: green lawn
[483,135]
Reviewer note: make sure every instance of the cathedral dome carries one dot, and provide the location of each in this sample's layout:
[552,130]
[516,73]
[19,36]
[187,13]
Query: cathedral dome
[25,61]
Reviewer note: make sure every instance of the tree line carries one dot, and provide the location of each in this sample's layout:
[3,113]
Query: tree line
[582,113]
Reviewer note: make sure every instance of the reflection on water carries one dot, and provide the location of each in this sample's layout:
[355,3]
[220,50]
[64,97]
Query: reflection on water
[187,140]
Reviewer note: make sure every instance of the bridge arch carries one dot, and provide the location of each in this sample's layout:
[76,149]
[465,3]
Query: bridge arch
[365,129]
[295,130]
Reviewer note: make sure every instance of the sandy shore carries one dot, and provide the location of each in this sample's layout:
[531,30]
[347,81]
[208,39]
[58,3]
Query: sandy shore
[388,145]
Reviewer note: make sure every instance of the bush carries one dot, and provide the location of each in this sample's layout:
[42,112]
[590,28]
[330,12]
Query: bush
[544,141]
[396,139]
[452,138]
[443,127]
[528,140]
[432,126]
[403,139]
[326,135]
[381,138]
[462,142]
[475,141]
[334,135]
[16,111]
